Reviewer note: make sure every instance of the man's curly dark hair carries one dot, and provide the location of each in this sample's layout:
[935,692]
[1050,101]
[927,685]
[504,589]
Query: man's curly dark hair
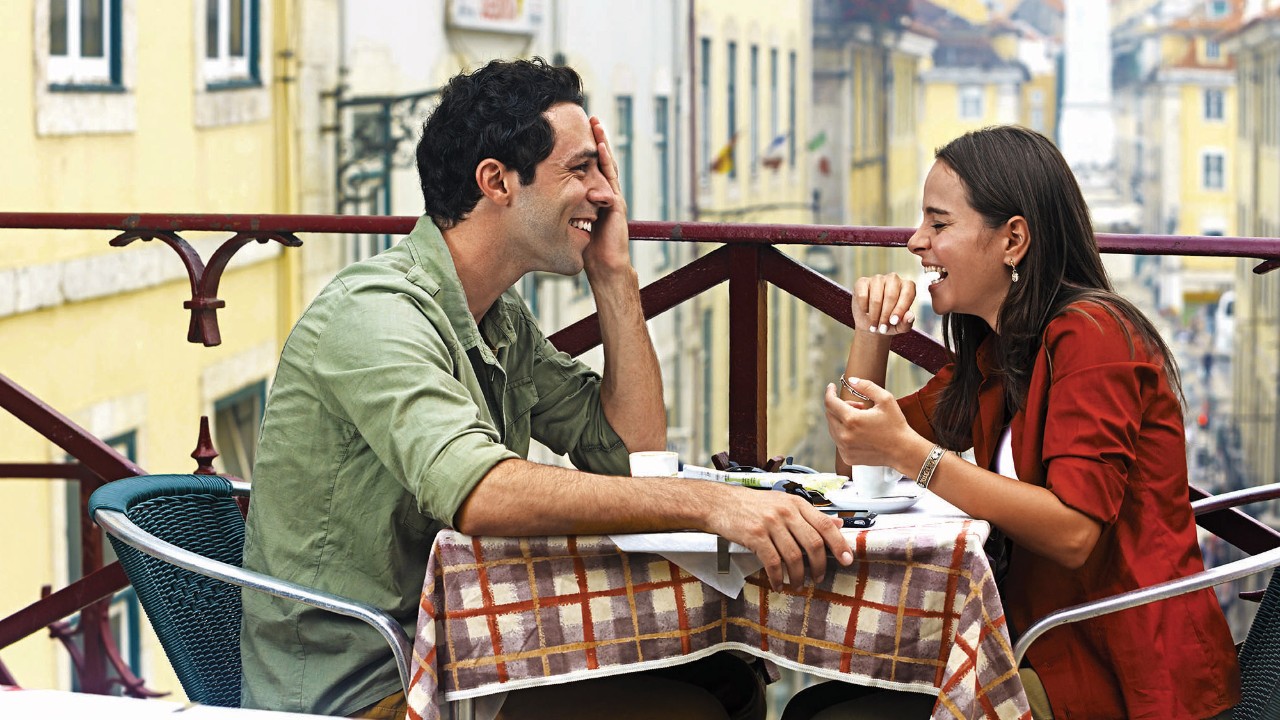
[495,112]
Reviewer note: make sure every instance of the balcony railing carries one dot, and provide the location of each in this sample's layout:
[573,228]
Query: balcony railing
[747,258]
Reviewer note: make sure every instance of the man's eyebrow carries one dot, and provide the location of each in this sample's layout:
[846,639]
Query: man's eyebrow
[582,155]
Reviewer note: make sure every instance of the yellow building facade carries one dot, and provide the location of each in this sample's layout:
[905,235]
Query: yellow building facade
[133,111]
[1256,351]
[752,70]
[1177,134]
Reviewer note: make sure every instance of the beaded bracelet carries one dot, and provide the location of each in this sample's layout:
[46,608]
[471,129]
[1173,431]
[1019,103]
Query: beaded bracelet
[930,464]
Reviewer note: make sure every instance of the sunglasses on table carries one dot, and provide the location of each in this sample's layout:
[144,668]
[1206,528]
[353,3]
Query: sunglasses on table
[811,496]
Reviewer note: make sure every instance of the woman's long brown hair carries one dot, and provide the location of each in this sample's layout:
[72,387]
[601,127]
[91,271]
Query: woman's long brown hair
[1009,171]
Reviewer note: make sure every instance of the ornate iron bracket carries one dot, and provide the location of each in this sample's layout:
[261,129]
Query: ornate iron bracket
[65,631]
[204,302]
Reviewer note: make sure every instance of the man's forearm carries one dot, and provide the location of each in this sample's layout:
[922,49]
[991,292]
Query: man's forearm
[632,391]
[520,498]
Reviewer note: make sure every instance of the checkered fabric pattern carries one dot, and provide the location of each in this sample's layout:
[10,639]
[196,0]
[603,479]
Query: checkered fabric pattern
[917,610]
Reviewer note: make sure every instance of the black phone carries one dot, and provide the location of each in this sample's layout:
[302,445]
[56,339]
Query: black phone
[859,519]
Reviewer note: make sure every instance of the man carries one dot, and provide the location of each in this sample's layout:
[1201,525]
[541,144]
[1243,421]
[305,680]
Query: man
[407,394]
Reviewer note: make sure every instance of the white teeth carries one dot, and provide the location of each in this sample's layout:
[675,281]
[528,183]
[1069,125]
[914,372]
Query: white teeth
[581,224]
[933,274]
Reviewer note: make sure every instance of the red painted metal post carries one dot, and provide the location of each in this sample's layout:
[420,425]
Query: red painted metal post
[93,675]
[749,358]
[657,297]
[54,607]
[101,459]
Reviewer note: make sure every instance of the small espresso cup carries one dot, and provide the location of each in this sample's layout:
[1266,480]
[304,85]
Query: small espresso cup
[873,481]
[655,463]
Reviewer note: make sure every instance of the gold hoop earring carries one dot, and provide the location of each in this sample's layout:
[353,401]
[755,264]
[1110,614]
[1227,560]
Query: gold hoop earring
[1014,268]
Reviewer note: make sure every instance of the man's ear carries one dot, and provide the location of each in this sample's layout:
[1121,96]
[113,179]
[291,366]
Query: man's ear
[1017,240]
[495,180]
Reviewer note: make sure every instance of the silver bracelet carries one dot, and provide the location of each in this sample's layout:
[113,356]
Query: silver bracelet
[930,464]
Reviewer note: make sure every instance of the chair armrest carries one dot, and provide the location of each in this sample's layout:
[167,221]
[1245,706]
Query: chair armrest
[240,488]
[1133,598]
[121,527]
[1235,498]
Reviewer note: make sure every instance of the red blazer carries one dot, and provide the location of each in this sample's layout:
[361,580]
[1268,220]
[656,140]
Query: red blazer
[1102,430]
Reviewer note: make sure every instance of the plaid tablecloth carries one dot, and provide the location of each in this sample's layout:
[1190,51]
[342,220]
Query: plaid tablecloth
[917,610]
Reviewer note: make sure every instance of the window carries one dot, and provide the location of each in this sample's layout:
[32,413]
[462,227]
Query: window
[231,43]
[1212,50]
[708,377]
[791,109]
[1212,176]
[662,153]
[1212,104]
[704,109]
[124,614]
[529,285]
[773,94]
[236,419]
[732,71]
[794,341]
[1218,8]
[971,102]
[84,44]
[622,146]
[755,109]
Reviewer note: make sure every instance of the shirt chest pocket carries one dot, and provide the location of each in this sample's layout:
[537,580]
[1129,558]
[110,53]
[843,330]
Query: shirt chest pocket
[520,398]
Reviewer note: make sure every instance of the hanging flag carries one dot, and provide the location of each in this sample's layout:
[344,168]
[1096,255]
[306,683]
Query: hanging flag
[818,141]
[772,158]
[824,165]
[724,159]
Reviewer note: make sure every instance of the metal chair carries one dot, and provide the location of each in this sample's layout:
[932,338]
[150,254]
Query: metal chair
[180,539]
[1259,656]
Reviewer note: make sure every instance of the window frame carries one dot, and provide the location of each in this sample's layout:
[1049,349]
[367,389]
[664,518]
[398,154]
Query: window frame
[755,110]
[224,70]
[255,391]
[74,72]
[972,102]
[731,83]
[792,80]
[1207,173]
[704,109]
[623,141]
[1214,102]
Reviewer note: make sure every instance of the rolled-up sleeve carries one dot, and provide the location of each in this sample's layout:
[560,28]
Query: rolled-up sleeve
[382,365]
[569,417]
[1096,404]
[918,407]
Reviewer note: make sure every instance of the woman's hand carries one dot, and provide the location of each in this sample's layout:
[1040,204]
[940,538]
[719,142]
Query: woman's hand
[882,304]
[867,435]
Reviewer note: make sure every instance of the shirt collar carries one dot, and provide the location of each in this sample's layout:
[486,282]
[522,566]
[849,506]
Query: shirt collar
[435,272]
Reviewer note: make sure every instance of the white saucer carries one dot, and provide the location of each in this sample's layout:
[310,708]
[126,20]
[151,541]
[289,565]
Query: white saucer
[846,499]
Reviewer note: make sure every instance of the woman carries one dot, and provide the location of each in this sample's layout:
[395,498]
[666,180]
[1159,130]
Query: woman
[1070,401]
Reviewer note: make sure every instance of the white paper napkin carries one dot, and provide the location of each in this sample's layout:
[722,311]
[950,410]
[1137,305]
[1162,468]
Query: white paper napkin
[695,553]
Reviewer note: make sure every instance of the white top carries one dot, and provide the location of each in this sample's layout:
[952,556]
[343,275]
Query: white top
[1004,454]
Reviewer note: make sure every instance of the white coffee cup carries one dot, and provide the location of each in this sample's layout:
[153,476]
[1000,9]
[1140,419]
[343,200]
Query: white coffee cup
[873,481]
[655,463]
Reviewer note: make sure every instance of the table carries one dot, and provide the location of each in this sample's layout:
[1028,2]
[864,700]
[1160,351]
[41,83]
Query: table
[917,610]
[20,704]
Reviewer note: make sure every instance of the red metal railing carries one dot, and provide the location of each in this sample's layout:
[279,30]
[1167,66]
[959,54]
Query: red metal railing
[747,260]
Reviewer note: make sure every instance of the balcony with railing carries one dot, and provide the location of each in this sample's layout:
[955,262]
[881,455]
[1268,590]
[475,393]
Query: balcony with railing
[746,257]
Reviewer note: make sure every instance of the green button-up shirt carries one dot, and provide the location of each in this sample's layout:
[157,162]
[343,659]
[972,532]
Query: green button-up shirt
[388,406]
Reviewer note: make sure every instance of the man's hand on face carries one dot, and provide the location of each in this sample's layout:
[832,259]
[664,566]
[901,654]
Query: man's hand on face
[609,250]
